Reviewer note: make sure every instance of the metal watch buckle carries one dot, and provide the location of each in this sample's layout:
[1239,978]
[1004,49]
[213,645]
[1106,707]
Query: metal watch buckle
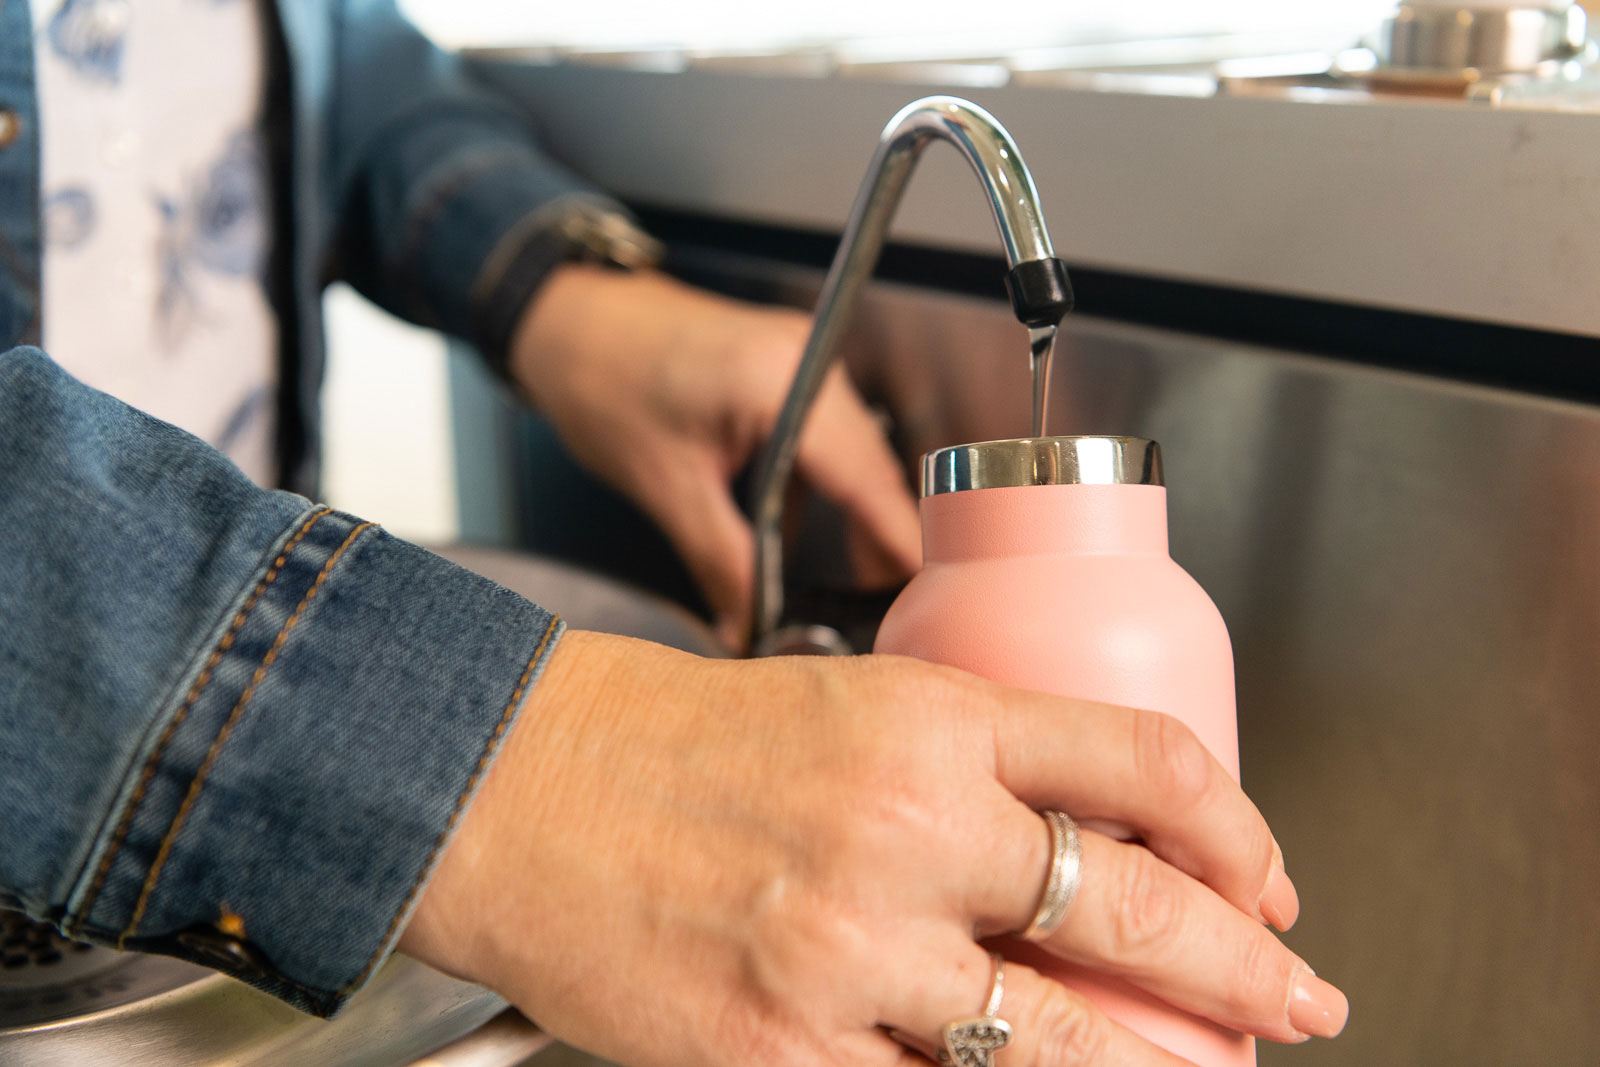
[611,238]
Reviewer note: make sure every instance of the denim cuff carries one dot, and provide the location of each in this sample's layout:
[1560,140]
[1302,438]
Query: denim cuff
[512,273]
[289,806]
[458,254]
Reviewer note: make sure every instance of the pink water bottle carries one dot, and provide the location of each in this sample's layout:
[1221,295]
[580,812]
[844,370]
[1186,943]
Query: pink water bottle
[1045,567]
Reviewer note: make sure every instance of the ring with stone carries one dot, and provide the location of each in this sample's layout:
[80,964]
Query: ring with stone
[972,1042]
[1061,881]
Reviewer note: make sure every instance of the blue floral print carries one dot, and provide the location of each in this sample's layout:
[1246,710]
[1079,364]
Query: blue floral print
[70,217]
[220,226]
[89,35]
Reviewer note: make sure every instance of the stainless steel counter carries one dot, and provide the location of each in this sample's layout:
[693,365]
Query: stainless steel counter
[1439,206]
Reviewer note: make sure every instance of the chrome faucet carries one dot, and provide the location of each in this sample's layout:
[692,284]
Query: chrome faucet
[1037,282]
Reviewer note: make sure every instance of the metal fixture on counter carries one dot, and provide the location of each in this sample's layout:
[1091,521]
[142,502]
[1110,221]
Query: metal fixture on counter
[1430,36]
[1037,282]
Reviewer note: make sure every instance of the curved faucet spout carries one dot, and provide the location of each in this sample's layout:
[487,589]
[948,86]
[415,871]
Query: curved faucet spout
[1037,282]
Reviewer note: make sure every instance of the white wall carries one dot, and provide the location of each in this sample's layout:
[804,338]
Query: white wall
[386,404]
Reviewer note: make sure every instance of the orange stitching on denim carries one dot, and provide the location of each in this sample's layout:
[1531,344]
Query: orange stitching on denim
[461,802]
[189,700]
[249,693]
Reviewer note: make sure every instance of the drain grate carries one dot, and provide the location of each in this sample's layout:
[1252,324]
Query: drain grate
[46,977]
[25,943]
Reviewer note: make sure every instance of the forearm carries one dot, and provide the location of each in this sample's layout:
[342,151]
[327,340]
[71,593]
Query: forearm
[227,717]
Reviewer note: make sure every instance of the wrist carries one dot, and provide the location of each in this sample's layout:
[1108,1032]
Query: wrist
[580,228]
[466,922]
[568,307]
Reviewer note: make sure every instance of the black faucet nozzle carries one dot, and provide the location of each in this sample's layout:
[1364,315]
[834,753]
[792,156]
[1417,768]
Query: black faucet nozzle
[1041,294]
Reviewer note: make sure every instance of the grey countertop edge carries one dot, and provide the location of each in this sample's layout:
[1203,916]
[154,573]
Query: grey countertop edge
[1442,207]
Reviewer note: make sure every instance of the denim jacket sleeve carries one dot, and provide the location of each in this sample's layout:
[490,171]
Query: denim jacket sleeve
[448,205]
[235,727]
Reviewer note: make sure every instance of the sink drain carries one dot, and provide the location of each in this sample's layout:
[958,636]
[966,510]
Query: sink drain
[45,977]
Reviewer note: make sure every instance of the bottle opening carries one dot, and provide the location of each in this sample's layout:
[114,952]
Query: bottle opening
[1042,461]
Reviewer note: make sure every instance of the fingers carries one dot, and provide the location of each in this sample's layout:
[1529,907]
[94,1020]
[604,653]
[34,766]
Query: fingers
[1147,771]
[1137,917]
[844,454]
[697,512]
[1051,1026]
[1141,919]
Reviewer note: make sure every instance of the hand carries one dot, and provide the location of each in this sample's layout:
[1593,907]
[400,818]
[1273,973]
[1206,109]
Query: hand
[678,861]
[665,392]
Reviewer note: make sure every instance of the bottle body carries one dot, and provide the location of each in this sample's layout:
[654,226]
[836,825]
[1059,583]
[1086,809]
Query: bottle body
[1069,589]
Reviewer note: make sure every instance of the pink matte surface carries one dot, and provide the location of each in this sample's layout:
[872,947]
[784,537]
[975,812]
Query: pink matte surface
[1068,589]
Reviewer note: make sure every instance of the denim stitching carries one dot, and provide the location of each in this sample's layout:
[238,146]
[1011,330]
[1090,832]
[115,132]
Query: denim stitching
[200,682]
[455,815]
[165,850]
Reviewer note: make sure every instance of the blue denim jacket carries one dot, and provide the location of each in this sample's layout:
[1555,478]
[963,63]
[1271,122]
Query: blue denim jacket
[235,727]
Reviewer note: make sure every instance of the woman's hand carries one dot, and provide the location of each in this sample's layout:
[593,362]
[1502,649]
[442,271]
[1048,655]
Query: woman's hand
[678,861]
[665,392]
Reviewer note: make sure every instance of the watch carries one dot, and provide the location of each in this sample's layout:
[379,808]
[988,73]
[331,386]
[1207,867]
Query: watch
[580,228]
[598,234]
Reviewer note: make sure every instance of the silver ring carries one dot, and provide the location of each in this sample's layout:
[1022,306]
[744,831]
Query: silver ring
[1061,884]
[973,1042]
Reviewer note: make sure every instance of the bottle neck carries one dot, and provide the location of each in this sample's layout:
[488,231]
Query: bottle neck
[1042,520]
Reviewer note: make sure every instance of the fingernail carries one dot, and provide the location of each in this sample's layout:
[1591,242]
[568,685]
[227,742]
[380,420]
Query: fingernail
[1315,1007]
[1279,903]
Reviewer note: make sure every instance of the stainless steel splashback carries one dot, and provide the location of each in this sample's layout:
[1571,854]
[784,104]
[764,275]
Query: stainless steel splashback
[1411,574]
[1410,570]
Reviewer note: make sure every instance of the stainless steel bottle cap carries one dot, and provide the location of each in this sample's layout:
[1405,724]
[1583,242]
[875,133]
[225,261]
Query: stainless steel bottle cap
[1042,461]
